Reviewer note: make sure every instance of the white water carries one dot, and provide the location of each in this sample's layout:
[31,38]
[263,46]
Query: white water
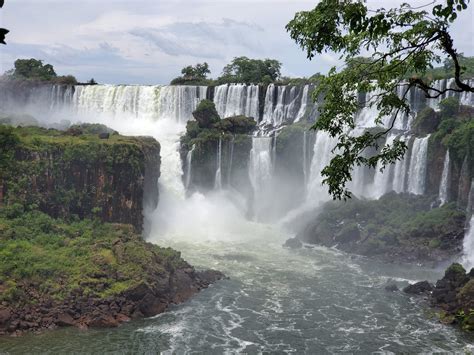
[322,155]
[444,184]
[468,246]
[260,172]
[189,167]
[218,178]
[236,99]
[290,104]
[382,179]
[417,170]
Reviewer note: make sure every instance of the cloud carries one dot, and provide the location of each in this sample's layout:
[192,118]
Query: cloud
[202,39]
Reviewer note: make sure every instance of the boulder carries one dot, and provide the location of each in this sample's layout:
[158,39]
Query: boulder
[104,135]
[5,315]
[419,288]
[65,320]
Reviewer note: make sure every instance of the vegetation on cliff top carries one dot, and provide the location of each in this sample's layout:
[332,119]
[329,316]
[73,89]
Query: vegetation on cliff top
[208,126]
[83,257]
[395,224]
[34,70]
[75,172]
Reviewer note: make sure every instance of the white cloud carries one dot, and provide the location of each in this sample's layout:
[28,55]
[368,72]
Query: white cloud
[149,41]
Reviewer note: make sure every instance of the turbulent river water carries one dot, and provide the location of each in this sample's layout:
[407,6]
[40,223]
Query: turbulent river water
[276,300]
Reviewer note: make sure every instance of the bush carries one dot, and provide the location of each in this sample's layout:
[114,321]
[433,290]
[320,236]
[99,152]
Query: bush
[206,114]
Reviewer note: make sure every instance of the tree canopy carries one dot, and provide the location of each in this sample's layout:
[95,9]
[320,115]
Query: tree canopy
[251,71]
[402,43]
[193,75]
[36,70]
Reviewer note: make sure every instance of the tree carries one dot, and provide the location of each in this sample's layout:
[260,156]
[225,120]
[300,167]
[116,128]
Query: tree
[251,71]
[33,69]
[197,72]
[403,44]
[193,75]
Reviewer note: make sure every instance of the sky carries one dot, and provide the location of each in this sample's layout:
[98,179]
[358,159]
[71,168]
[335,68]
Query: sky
[150,41]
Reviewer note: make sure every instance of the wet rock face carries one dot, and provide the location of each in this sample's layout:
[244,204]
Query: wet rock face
[83,176]
[419,288]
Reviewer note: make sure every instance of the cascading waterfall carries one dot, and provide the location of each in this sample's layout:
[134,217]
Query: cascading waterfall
[468,246]
[284,104]
[260,171]
[150,102]
[231,161]
[237,99]
[305,158]
[400,172]
[417,170]
[218,178]
[323,146]
[382,182]
[444,184]
[189,166]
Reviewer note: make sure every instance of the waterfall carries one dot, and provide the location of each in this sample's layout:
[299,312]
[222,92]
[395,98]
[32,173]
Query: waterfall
[444,184]
[237,99]
[151,102]
[305,158]
[218,178]
[382,183]
[322,155]
[417,170]
[468,246]
[260,171]
[231,161]
[304,104]
[284,104]
[400,172]
[189,166]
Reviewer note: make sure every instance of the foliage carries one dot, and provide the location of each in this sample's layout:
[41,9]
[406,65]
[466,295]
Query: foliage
[400,41]
[60,258]
[456,129]
[49,168]
[193,75]
[250,71]
[395,219]
[448,69]
[35,70]
[206,114]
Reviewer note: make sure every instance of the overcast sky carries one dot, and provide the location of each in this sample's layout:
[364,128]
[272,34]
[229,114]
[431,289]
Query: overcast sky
[149,41]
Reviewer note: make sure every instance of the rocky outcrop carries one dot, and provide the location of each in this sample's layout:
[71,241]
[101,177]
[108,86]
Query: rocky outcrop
[453,295]
[419,288]
[91,275]
[210,135]
[144,300]
[71,175]
[397,227]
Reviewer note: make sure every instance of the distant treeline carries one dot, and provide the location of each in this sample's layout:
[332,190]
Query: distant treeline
[267,71]
[35,70]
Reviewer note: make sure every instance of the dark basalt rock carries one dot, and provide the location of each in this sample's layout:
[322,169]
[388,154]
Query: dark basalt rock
[293,243]
[104,135]
[419,288]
